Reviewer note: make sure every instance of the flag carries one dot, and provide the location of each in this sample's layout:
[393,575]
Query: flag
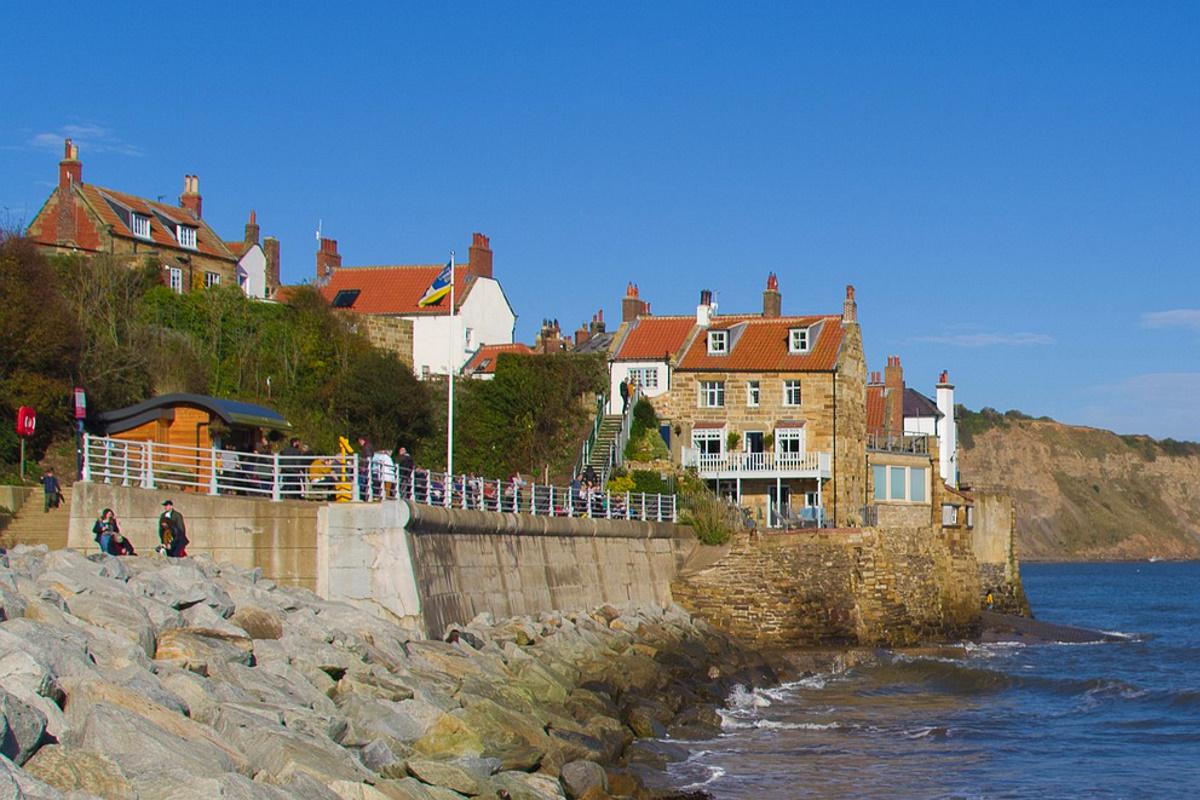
[438,289]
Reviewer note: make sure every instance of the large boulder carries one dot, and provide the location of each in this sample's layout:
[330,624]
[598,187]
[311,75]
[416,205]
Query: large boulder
[70,769]
[443,773]
[141,747]
[581,777]
[20,785]
[118,616]
[181,586]
[257,622]
[22,728]
[199,649]
[283,753]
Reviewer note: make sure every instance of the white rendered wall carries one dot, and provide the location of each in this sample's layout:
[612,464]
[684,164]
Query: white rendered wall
[919,425]
[254,266]
[619,371]
[486,313]
[948,435]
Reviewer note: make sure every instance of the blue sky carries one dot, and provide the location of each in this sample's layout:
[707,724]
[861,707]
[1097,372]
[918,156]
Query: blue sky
[1014,189]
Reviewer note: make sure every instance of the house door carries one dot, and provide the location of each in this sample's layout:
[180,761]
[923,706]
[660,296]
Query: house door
[754,447]
[780,499]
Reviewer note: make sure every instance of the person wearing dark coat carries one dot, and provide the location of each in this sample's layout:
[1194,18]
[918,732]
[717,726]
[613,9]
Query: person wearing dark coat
[52,489]
[172,531]
[105,528]
[118,545]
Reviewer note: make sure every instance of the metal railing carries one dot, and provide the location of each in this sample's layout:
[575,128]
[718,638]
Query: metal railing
[585,454]
[910,443]
[817,463]
[213,471]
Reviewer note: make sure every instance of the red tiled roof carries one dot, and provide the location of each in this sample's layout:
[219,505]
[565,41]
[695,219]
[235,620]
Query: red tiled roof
[238,248]
[761,345]
[207,242]
[875,408]
[394,289]
[483,362]
[655,338]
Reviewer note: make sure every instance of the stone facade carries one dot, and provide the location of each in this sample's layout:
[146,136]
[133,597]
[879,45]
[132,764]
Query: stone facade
[893,587]
[394,334]
[993,538]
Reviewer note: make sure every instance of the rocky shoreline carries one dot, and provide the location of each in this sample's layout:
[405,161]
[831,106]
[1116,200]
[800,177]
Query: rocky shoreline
[152,678]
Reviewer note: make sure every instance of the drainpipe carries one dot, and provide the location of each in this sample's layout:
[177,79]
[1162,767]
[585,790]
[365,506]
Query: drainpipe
[837,477]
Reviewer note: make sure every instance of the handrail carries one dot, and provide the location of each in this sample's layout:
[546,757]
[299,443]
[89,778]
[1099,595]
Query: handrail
[586,452]
[151,465]
[742,462]
[616,456]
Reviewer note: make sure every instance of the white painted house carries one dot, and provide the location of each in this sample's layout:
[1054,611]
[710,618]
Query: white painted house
[441,343]
[258,262]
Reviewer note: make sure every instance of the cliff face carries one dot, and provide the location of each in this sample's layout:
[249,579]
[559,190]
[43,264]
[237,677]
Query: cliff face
[1088,494]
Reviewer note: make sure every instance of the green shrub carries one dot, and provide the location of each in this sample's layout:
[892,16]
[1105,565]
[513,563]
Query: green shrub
[650,482]
[713,520]
[646,445]
[644,415]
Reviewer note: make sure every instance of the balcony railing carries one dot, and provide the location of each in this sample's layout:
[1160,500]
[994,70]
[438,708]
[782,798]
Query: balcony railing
[909,443]
[811,464]
[150,465]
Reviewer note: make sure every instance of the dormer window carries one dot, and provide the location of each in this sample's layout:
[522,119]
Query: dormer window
[140,225]
[798,340]
[718,343]
[186,235]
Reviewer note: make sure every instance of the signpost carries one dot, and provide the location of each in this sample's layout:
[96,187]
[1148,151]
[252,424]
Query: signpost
[26,425]
[80,415]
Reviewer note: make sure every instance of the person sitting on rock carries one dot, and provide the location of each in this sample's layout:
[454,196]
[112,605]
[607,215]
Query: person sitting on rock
[118,545]
[104,528]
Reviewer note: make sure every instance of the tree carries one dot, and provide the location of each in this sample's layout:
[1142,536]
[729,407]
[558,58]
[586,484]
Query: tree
[378,396]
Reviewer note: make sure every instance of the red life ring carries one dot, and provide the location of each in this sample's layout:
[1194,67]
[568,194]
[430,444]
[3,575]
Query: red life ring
[26,421]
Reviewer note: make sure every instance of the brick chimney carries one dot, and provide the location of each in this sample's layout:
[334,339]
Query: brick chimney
[597,324]
[581,334]
[190,199]
[479,257]
[893,380]
[70,174]
[270,247]
[849,308]
[772,300]
[251,230]
[328,259]
[549,340]
[632,306]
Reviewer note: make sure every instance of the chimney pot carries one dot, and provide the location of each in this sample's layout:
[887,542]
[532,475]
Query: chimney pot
[190,199]
[772,300]
[479,257]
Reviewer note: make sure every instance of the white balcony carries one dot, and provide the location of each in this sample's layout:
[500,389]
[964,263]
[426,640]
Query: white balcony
[711,466]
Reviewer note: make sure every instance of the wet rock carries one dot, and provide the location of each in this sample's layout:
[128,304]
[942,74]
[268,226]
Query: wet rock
[581,777]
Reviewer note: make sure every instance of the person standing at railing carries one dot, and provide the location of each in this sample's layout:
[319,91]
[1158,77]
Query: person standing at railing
[365,452]
[291,470]
[625,393]
[383,473]
[404,470]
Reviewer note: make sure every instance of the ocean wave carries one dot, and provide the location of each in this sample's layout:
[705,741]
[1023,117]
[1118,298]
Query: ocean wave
[930,732]
[714,773]
[743,698]
[733,723]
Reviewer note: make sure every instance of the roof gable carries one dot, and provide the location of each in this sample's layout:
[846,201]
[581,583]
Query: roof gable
[115,209]
[654,338]
[396,289]
[760,344]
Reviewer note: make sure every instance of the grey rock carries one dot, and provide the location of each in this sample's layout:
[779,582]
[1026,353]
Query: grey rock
[181,586]
[257,622]
[117,616]
[22,728]
[70,769]
[379,756]
[283,754]
[18,784]
[201,649]
[204,616]
[405,789]
[579,777]
[527,786]
[443,773]
[12,604]
[141,747]
[172,783]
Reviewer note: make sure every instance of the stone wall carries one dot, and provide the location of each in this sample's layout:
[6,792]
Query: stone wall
[394,334]
[993,540]
[428,567]
[281,538]
[839,587]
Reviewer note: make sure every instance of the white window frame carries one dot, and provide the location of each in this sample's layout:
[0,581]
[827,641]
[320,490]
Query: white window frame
[789,387]
[175,279]
[645,377]
[186,236]
[896,486]
[212,279]
[702,436]
[798,340]
[718,343]
[753,394]
[789,441]
[710,394]
[139,224]
[949,515]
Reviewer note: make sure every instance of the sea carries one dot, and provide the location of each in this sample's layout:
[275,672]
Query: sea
[1109,720]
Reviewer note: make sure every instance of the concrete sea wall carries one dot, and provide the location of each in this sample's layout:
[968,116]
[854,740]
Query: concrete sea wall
[429,567]
[993,540]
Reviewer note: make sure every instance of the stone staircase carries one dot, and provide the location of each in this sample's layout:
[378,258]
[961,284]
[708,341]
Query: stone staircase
[600,457]
[34,526]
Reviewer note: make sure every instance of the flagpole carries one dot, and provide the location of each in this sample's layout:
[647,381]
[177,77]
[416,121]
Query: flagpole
[450,384]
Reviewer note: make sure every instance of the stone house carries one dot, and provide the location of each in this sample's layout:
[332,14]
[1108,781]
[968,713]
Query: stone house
[83,218]
[426,337]
[769,409]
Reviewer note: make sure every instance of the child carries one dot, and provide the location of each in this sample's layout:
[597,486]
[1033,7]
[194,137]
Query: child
[52,490]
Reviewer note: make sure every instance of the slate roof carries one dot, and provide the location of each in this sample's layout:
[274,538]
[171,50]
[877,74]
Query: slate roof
[483,361]
[758,344]
[918,405]
[232,412]
[396,289]
[654,338]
